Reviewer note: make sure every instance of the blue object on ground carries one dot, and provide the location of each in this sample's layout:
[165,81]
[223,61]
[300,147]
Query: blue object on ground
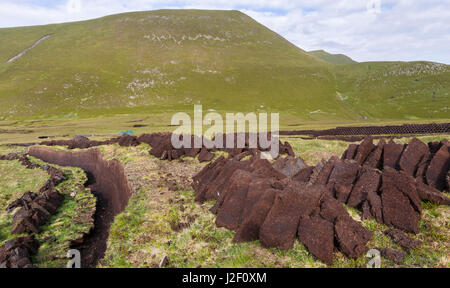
[129,132]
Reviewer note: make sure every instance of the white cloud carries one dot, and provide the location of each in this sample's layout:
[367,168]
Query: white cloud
[395,30]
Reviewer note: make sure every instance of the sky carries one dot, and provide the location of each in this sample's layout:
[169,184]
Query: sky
[366,30]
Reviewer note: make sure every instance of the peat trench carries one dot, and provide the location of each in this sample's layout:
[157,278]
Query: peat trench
[364,175]
[107,181]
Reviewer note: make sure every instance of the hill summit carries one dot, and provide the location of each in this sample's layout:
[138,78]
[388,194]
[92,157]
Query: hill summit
[336,59]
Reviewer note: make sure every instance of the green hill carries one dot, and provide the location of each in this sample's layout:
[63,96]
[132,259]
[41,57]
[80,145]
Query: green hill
[336,59]
[168,60]
[396,90]
[159,60]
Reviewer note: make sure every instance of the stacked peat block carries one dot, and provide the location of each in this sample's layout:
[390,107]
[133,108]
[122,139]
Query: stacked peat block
[29,212]
[401,239]
[394,178]
[162,147]
[405,129]
[262,201]
[10,157]
[16,253]
[277,202]
[34,210]
[81,142]
[427,164]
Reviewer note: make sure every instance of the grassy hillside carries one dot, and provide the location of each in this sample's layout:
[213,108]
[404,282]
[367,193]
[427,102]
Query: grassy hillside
[389,90]
[166,59]
[147,63]
[337,59]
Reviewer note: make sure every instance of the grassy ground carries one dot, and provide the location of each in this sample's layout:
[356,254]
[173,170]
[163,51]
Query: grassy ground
[73,219]
[162,201]
[337,59]
[15,181]
[105,127]
[380,90]
[142,235]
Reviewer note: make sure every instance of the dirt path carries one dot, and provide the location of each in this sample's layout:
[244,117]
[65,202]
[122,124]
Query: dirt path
[29,48]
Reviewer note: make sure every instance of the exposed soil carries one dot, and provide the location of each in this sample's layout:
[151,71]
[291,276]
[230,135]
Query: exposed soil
[93,247]
[393,255]
[182,225]
[402,238]
[109,184]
